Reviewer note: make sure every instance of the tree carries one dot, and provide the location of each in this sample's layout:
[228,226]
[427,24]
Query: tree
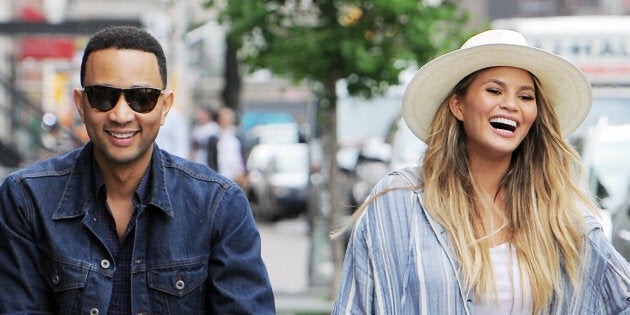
[366,43]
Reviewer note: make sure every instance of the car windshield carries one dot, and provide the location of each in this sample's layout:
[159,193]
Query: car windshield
[615,109]
[291,160]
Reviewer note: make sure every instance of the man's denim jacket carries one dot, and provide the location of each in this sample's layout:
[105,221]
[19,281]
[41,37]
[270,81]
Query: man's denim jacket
[197,247]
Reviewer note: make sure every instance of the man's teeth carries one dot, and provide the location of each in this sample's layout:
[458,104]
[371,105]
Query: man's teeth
[504,121]
[123,135]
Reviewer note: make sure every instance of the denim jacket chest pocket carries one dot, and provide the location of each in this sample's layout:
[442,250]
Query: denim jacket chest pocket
[179,287]
[68,280]
[63,276]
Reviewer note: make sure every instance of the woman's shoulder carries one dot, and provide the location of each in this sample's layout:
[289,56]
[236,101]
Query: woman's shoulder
[408,176]
[395,198]
[394,213]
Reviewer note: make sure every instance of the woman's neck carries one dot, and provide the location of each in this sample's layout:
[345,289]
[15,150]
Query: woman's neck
[487,175]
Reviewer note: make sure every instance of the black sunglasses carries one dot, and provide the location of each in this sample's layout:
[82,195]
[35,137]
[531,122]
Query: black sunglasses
[104,98]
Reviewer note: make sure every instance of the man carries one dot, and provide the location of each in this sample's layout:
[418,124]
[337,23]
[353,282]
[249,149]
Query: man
[119,226]
[205,127]
[225,150]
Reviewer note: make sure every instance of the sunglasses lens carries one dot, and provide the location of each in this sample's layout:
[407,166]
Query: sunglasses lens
[102,98]
[142,100]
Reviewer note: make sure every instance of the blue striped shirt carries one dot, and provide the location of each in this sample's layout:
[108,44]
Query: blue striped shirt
[399,261]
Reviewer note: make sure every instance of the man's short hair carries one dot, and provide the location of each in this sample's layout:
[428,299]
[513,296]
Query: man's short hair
[125,37]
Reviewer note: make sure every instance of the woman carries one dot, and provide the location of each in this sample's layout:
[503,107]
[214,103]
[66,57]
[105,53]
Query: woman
[493,221]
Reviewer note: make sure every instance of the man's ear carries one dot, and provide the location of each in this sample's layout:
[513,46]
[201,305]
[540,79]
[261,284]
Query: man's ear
[167,102]
[77,97]
[455,104]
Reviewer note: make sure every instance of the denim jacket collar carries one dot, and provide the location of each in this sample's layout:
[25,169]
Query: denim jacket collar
[79,196]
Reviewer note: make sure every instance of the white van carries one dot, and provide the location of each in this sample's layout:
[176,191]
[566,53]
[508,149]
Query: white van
[599,45]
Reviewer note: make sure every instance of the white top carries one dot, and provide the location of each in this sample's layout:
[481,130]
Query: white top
[511,297]
[200,136]
[229,157]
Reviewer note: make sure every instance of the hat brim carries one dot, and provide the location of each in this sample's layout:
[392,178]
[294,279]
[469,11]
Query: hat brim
[566,87]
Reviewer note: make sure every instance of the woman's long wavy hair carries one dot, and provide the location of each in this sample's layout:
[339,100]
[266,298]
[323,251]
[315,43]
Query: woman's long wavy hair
[544,204]
[544,208]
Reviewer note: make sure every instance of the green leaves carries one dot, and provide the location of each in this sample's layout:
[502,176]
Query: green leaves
[358,40]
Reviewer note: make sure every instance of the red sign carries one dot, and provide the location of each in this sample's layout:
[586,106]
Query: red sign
[47,47]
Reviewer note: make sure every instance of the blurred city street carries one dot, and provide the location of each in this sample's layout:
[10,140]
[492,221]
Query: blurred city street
[285,250]
[283,128]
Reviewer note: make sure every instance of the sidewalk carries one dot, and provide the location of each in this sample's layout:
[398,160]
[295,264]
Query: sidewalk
[313,301]
[285,250]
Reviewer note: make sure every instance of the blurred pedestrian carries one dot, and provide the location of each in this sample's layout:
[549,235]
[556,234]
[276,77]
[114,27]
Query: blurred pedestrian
[54,140]
[120,226]
[204,127]
[493,221]
[226,152]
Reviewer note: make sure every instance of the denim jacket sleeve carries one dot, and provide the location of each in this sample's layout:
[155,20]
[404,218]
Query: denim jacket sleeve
[616,288]
[21,281]
[356,293]
[607,275]
[240,284]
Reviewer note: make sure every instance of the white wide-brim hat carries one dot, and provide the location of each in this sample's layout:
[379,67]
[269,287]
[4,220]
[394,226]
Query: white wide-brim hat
[565,86]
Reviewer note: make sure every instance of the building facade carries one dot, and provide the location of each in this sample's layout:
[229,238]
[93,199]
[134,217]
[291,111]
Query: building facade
[41,42]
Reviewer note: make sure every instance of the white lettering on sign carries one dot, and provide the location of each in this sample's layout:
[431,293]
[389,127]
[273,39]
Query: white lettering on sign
[599,45]
[576,48]
[604,59]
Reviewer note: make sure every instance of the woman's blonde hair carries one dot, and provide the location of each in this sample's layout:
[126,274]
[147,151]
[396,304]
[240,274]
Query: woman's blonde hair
[544,203]
[544,219]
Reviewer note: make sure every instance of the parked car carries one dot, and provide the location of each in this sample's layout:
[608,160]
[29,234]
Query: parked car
[377,156]
[606,156]
[406,147]
[611,104]
[621,227]
[605,151]
[372,164]
[278,180]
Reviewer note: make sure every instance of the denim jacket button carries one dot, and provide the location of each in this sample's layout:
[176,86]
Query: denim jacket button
[179,284]
[94,311]
[105,263]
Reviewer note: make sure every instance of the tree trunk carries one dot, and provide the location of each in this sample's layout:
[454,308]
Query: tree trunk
[333,184]
[232,88]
